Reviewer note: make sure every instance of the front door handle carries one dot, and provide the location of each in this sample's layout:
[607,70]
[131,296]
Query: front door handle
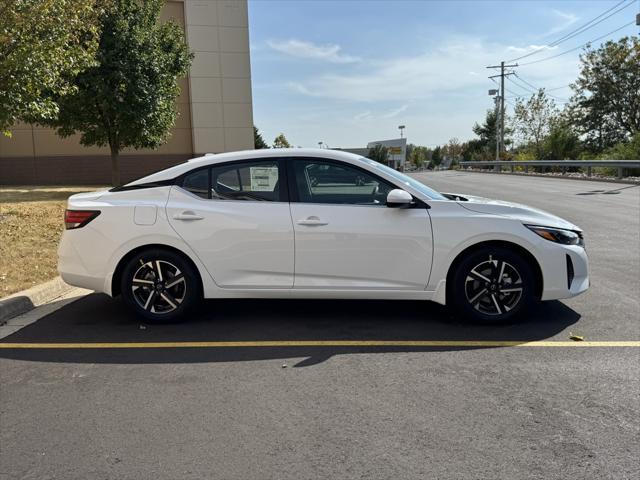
[312,222]
[187,215]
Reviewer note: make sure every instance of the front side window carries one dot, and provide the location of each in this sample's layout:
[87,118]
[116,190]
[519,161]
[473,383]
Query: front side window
[320,181]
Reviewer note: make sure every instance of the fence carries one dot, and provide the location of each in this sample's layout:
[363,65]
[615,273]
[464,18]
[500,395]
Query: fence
[621,165]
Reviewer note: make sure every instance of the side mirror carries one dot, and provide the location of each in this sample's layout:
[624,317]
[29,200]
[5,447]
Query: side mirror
[399,199]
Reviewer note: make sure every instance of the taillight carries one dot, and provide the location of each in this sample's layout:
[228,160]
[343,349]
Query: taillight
[78,218]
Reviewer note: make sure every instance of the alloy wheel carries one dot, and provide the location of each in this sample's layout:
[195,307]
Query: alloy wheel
[158,286]
[493,287]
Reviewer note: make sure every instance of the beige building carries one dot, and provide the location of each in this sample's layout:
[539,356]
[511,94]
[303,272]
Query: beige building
[215,109]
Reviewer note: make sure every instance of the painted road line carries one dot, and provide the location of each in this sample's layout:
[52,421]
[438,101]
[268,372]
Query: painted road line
[325,343]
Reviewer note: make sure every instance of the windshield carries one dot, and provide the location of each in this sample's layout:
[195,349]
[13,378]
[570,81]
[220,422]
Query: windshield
[407,180]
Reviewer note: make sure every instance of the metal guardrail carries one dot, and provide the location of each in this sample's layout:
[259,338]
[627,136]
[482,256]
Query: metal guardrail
[621,165]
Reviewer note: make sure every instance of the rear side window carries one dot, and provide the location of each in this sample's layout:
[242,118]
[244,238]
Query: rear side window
[197,183]
[254,180]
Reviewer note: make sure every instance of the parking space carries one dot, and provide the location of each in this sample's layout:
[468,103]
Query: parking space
[344,389]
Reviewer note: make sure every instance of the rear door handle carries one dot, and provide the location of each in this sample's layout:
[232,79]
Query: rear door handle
[312,222]
[187,215]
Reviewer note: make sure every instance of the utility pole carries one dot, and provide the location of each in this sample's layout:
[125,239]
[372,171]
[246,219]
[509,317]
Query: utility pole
[502,74]
[496,100]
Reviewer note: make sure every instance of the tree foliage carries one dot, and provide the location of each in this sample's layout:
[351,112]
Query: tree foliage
[454,149]
[436,156]
[43,45]
[379,153]
[562,143]
[533,119]
[258,141]
[128,99]
[484,147]
[281,142]
[418,156]
[606,105]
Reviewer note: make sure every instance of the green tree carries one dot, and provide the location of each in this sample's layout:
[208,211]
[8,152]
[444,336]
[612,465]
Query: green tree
[627,150]
[129,98]
[258,141]
[533,120]
[454,149]
[606,105]
[419,155]
[562,143]
[43,45]
[379,153]
[281,142]
[436,156]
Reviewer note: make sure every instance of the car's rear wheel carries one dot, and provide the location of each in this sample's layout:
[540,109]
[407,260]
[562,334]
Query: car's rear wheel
[492,285]
[160,285]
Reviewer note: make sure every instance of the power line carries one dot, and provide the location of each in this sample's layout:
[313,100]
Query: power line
[557,88]
[546,90]
[579,46]
[578,30]
[525,88]
[518,95]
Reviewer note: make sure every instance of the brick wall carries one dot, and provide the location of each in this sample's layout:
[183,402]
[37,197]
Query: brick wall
[76,170]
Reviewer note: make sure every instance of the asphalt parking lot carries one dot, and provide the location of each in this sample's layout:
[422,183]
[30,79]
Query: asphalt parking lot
[305,392]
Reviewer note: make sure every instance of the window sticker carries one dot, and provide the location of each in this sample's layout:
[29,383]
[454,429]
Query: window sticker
[263,179]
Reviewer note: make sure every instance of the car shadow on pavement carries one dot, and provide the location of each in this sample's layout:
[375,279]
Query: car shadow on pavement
[100,319]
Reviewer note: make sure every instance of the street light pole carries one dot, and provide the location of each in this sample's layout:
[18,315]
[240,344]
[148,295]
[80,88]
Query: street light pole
[401,128]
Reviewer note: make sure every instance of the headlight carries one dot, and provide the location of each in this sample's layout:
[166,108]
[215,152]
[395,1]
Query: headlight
[558,235]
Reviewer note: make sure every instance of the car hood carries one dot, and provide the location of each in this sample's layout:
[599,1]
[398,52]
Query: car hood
[523,213]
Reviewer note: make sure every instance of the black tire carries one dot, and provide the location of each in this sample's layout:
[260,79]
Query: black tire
[164,297]
[492,285]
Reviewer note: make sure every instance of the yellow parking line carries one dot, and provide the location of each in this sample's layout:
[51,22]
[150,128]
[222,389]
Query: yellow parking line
[327,343]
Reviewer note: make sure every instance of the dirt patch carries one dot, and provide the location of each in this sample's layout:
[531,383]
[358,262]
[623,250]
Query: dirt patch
[31,221]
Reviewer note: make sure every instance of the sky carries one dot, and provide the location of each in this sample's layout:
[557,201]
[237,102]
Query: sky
[349,72]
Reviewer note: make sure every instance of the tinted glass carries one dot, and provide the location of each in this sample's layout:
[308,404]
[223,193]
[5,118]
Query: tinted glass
[328,182]
[258,180]
[407,180]
[197,183]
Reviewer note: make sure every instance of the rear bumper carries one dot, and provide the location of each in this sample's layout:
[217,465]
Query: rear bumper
[72,269]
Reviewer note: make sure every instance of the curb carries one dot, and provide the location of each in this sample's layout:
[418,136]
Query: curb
[26,300]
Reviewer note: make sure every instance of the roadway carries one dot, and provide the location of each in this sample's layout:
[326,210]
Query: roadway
[305,411]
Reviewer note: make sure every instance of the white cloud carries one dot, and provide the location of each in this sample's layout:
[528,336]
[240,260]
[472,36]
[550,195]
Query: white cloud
[567,19]
[363,116]
[395,112]
[440,72]
[301,49]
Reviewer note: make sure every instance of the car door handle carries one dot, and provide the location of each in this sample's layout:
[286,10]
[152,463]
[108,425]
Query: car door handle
[188,215]
[312,222]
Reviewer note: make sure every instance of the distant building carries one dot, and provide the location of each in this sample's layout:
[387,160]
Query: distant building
[397,148]
[215,109]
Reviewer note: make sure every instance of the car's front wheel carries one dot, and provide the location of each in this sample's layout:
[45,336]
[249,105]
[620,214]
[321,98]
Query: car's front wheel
[160,285]
[492,285]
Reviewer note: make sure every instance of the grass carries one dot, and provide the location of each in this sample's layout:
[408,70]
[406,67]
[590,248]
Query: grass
[31,221]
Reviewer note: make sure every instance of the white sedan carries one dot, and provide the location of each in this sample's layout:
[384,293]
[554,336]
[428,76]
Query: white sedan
[308,223]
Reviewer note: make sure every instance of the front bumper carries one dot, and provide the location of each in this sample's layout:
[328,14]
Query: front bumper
[565,272]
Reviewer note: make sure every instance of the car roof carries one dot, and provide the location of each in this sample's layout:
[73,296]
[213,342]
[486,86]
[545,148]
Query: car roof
[212,159]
